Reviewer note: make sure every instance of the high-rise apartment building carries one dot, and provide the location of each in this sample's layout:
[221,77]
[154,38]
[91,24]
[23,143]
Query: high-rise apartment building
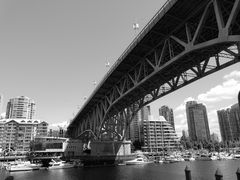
[167,113]
[229,123]
[20,107]
[135,129]
[224,124]
[158,135]
[197,120]
[145,112]
[16,134]
[235,121]
[136,126]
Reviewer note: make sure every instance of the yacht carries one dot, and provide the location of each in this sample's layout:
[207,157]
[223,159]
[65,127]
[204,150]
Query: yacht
[138,160]
[188,157]
[203,157]
[22,166]
[229,156]
[170,159]
[59,164]
[236,155]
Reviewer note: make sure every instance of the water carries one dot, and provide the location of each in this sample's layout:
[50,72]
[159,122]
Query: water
[200,170]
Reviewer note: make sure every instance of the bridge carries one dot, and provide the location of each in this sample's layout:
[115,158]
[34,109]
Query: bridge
[186,40]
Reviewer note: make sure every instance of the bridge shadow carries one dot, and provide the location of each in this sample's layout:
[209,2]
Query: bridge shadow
[99,153]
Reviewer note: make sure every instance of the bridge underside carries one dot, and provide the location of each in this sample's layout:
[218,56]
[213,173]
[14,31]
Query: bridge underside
[185,41]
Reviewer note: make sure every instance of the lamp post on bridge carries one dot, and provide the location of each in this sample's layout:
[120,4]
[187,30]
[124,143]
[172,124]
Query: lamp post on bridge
[107,64]
[94,83]
[135,28]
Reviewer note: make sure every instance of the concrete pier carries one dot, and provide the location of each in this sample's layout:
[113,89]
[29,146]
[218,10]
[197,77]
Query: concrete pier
[106,153]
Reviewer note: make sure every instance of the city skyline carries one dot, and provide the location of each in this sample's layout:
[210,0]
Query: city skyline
[234,74]
[56,55]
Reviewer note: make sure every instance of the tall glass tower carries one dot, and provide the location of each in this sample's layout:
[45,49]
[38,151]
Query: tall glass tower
[167,113]
[197,120]
[20,107]
[224,124]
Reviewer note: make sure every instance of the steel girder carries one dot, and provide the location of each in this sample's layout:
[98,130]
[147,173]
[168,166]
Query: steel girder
[201,44]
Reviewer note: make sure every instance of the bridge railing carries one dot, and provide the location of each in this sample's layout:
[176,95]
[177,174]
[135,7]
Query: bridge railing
[167,5]
[145,29]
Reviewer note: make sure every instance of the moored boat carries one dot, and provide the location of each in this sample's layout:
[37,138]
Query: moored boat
[59,164]
[22,166]
[188,157]
[203,157]
[140,159]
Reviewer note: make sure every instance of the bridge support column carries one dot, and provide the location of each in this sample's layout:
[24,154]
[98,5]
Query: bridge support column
[107,152]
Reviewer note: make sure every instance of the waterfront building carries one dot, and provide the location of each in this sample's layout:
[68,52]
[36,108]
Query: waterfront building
[57,146]
[197,120]
[20,107]
[158,135]
[16,134]
[224,124]
[235,121]
[167,113]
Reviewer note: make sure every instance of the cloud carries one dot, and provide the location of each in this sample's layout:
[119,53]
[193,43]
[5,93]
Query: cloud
[212,113]
[181,107]
[180,122]
[226,91]
[189,99]
[63,125]
[180,116]
[232,75]
[3,115]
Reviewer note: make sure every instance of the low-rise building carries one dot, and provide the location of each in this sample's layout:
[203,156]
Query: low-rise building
[16,134]
[59,146]
[159,135]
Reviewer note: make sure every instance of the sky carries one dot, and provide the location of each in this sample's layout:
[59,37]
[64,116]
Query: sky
[54,50]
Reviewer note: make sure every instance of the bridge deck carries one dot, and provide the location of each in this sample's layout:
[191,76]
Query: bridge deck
[170,16]
[182,36]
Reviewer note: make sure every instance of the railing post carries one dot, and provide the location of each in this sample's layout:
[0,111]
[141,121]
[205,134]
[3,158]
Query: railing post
[218,175]
[188,173]
[238,174]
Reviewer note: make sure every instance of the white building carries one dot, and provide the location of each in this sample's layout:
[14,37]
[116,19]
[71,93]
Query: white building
[16,134]
[62,146]
[158,135]
[20,107]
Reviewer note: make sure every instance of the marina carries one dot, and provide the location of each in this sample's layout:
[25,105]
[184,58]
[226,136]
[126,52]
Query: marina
[134,122]
[200,170]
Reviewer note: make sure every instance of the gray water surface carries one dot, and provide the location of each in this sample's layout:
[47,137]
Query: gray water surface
[200,170]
